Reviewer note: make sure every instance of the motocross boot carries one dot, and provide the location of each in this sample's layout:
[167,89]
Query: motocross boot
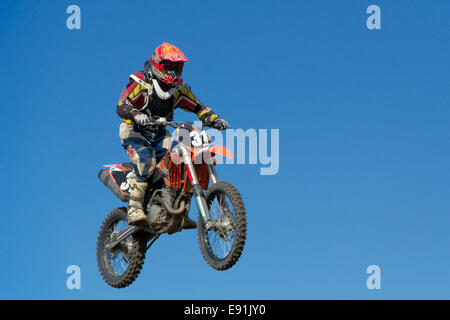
[136,212]
[189,223]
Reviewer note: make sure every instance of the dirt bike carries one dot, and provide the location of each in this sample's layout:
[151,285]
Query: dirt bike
[183,174]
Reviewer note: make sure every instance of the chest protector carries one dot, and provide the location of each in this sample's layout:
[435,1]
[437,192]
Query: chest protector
[157,106]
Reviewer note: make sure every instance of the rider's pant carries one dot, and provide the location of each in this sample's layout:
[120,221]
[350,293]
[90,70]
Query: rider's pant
[144,148]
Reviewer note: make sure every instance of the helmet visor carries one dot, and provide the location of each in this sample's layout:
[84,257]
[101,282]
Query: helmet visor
[173,69]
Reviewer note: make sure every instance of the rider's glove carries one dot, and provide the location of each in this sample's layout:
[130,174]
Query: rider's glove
[220,124]
[140,119]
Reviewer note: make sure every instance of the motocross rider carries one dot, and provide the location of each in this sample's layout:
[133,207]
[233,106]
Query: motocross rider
[155,92]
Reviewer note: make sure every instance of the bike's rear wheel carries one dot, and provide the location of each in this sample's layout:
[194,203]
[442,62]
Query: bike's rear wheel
[120,266]
[222,240]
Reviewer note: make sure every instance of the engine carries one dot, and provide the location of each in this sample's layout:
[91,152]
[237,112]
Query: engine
[158,218]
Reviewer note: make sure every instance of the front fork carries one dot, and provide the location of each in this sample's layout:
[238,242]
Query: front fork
[212,171]
[199,196]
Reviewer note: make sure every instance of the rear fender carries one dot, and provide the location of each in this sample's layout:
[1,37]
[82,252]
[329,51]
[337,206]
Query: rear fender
[114,177]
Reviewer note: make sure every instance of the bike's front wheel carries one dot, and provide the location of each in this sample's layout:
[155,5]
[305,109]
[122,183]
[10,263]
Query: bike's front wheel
[222,239]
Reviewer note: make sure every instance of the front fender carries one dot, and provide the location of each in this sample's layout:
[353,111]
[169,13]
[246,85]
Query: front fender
[221,151]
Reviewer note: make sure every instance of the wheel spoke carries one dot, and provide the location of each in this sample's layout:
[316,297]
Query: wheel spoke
[121,265]
[220,237]
[116,258]
[223,237]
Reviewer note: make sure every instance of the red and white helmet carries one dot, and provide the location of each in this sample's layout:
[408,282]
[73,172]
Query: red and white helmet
[167,64]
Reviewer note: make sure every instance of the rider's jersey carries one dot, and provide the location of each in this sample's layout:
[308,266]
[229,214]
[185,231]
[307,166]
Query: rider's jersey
[136,96]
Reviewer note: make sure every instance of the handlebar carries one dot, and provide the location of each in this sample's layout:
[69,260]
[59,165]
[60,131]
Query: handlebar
[211,125]
[161,121]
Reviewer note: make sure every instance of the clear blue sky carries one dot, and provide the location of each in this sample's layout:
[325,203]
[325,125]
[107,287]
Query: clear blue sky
[364,144]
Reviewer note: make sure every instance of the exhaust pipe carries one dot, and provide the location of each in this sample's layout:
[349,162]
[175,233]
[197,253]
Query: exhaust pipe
[168,207]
